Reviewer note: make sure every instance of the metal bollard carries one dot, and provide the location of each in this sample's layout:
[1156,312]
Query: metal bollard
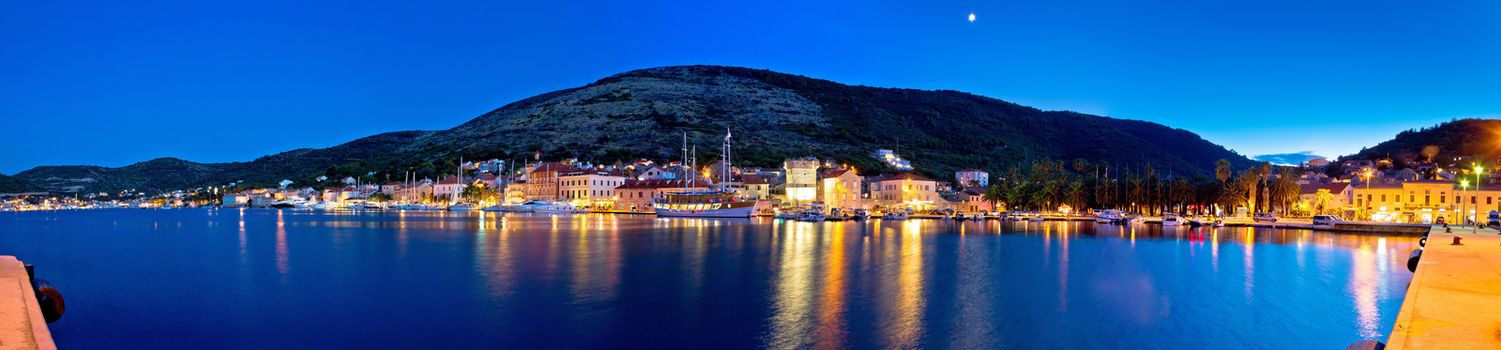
[47,297]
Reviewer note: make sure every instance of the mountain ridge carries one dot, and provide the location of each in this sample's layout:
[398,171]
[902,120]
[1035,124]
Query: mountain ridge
[645,113]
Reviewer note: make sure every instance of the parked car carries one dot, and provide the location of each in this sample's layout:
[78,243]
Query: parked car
[1265,217]
[1494,219]
[1325,220]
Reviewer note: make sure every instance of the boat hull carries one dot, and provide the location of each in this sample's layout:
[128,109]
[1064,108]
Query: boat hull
[731,210]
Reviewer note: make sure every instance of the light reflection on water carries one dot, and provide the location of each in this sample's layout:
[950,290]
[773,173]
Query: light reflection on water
[489,279]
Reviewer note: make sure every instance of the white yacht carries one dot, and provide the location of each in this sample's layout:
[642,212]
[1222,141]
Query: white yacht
[1110,216]
[547,207]
[811,216]
[1171,219]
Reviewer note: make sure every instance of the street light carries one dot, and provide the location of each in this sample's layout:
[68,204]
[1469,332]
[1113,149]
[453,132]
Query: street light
[1463,184]
[1367,207]
[1478,170]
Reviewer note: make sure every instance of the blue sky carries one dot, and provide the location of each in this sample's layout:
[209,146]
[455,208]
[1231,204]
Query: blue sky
[112,83]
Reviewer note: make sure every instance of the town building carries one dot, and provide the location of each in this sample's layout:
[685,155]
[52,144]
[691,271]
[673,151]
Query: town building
[801,185]
[754,187]
[591,189]
[905,190]
[840,188]
[1424,201]
[972,200]
[542,181]
[637,195]
[390,188]
[448,188]
[418,192]
[1331,198]
[655,173]
[972,177]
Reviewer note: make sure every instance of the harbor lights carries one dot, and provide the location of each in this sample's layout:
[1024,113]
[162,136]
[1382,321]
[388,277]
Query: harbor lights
[1463,185]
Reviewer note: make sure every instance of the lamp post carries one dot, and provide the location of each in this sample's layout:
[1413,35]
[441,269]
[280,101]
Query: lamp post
[1366,207]
[1463,184]
[1478,170]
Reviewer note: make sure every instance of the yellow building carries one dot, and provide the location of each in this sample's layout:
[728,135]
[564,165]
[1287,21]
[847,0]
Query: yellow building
[840,188]
[1424,201]
[905,191]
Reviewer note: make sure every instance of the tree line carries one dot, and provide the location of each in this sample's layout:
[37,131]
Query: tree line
[1046,185]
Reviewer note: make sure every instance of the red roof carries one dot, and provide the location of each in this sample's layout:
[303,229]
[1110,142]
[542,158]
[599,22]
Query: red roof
[752,180]
[661,183]
[1335,187]
[903,176]
[553,166]
[836,172]
[448,180]
[392,184]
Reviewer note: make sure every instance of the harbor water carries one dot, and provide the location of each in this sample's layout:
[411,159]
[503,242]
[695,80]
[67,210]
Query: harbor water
[261,278]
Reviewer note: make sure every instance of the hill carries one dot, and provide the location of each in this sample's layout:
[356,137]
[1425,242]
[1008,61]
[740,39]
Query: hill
[644,113]
[1460,140]
[10,184]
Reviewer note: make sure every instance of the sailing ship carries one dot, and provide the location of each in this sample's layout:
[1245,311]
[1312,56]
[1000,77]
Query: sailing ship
[705,203]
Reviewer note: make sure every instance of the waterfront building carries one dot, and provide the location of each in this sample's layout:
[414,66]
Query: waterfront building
[421,191]
[234,200]
[972,200]
[636,195]
[1328,198]
[1423,201]
[592,189]
[840,188]
[390,188]
[972,178]
[338,194]
[447,188]
[801,185]
[754,187]
[542,181]
[905,190]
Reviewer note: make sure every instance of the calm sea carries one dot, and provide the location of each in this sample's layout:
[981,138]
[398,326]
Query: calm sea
[302,279]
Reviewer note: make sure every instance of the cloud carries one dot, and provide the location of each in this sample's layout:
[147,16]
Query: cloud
[1288,158]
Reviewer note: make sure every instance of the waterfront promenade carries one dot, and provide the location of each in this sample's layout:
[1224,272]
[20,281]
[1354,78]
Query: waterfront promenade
[1454,300]
[21,322]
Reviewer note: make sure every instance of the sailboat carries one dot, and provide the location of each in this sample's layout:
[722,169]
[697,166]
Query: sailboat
[458,183]
[705,203]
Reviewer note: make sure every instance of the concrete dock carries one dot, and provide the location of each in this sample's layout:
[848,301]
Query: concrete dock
[21,322]
[1454,300]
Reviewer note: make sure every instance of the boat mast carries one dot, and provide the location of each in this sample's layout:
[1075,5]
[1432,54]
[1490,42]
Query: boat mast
[724,173]
[693,169]
[458,180]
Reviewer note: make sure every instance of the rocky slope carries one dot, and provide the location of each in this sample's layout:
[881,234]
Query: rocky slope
[644,113]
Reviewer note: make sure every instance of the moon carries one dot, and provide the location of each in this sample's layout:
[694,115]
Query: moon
[971,16]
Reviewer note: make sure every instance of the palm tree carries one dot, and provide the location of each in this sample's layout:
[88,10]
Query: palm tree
[995,194]
[1266,170]
[1138,192]
[1076,195]
[1222,170]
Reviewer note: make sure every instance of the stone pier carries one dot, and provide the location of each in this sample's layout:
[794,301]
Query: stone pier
[1454,300]
[21,322]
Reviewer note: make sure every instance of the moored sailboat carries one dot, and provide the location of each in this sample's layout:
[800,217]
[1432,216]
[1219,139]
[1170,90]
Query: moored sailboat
[705,203]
